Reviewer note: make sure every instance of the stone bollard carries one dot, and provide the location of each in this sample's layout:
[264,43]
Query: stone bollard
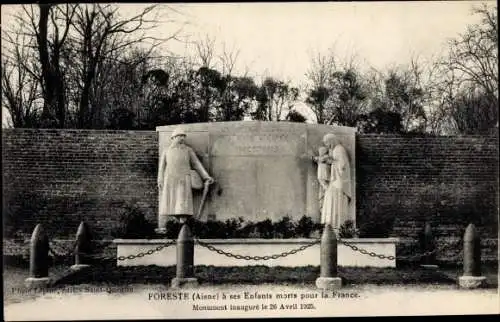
[185,259]
[39,259]
[472,260]
[328,278]
[82,247]
[428,245]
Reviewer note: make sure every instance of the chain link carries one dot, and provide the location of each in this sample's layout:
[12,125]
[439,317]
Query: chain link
[294,251]
[71,252]
[149,252]
[139,255]
[390,257]
[364,251]
[248,257]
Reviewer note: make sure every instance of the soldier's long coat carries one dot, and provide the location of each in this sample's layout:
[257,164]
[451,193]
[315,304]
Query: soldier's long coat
[176,195]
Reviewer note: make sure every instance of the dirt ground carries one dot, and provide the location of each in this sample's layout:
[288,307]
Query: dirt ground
[137,299]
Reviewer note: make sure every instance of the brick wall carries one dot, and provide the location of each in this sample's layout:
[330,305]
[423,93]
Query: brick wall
[446,181]
[61,177]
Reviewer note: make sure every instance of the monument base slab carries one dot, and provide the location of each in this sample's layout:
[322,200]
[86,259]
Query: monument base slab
[426,266]
[329,283]
[186,282]
[470,282]
[37,282]
[161,231]
[252,246]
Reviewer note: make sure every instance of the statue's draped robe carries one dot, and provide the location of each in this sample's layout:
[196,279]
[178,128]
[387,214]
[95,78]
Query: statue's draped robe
[176,197]
[335,209]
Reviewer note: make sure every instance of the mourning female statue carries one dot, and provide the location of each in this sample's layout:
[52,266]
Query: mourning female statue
[337,195]
[175,178]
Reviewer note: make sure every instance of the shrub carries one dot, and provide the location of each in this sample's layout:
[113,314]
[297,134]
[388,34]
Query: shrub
[133,224]
[248,231]
[173,227]
[285,228]
[233,227]
[347,230]
[304,227]
[380,227]
[212,229]
[265,228]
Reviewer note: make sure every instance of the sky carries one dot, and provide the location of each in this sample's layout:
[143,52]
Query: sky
[278,39]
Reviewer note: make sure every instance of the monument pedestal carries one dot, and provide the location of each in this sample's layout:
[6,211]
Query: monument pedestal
[470,282]
[186,282]
[329,283]
[37,282]
[161,231]
[429,266]
[78,267]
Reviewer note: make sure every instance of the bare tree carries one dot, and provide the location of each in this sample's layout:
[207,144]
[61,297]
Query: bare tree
[20,79]
[474,55]
[50,27]
[205,51]
[72,43]
[228,59]
[469,72]
[337,93]
[406,90]
[102,33]
[275,99]
[319,75]
[472,113]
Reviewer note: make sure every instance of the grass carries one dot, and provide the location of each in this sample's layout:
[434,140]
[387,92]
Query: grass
[107,273]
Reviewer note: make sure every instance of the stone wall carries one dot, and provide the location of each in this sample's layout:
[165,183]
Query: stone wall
[60,177]
[446,181]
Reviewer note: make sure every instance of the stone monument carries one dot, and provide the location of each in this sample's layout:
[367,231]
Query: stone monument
[178,169]
[258,171]
[336,193]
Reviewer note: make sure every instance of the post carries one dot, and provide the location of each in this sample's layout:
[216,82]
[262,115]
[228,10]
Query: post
[39,259]
[185,259]
[428,245]
[328,278]
[471,277]
[82,247]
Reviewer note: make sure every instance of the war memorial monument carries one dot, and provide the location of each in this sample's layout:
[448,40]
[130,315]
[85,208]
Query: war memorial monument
[257,171]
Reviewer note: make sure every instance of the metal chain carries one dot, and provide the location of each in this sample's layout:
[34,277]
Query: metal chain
[294,251]
[107,258]
[149,252]
[355,248]
[365,252]
[390,257]
[247,257]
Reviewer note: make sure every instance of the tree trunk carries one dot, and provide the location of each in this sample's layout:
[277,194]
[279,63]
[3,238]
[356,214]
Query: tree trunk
[84,118]
[48,88]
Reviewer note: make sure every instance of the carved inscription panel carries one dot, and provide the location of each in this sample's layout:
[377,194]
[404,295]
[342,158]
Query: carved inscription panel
[261,144]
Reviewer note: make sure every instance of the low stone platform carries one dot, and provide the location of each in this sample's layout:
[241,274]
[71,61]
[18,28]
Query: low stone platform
[259,247]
